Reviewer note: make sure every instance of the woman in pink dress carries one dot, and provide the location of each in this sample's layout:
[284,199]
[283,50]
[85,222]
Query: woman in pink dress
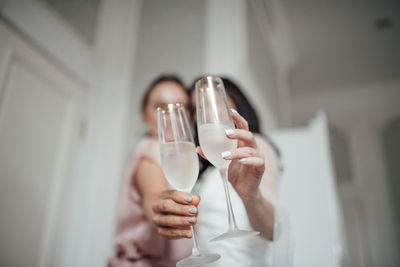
[137,241]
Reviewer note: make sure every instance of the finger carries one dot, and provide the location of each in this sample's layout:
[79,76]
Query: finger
[172,233]
[243,135]
[180,197]
[241,152]
[173,221]
[239,121]
[257,162]
[171,207]
[200,152]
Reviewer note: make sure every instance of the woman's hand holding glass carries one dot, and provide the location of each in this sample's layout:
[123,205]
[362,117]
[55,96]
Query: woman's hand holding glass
[174,213]
[213,121]
[181,168]
[247,162]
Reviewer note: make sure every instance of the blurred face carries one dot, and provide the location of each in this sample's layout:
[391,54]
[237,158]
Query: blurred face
[231,104]
[162,94]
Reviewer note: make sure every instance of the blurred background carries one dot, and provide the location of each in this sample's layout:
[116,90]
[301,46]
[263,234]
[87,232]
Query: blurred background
[323,75]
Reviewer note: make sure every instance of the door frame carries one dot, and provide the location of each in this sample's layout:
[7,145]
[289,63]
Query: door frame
[17,50]
[105,71]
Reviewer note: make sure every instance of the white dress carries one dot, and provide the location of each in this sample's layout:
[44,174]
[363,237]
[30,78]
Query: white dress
[213,220]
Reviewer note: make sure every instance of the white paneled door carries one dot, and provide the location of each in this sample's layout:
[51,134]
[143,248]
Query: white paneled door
[64,111]
[40,114]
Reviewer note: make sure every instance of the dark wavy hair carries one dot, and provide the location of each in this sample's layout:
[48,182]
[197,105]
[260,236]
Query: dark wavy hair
[243,106]
[160,79]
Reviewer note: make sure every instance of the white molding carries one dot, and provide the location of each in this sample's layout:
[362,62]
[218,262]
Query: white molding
[36,20]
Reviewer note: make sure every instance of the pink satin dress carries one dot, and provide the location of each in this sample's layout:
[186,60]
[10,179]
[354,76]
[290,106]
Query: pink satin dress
[136,240]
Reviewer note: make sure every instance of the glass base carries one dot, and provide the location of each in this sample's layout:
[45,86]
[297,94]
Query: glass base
[234,234]
[198,260]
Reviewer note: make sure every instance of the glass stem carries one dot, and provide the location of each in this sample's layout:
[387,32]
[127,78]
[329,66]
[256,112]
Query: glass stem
[195,247]
[231,216]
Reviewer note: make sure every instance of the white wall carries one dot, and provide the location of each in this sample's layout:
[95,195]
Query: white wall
[308,194]
[107,134]
[360,112]
[193,38]
[230,52]
[170,40]
[271,54]
[104,69]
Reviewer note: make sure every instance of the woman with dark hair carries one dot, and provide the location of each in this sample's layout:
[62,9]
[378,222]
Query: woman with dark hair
[242,104]
[237,100]
[136,240]
[252,174]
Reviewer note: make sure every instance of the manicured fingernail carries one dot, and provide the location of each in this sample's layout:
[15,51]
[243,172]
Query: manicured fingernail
[193,210]
[188,199]
[190,220]
[226,154]
[229,132]
[242,160]
[188,235]
[234,110]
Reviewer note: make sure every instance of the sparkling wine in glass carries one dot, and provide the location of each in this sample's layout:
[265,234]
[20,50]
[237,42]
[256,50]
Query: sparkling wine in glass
[180,164]
[213,119]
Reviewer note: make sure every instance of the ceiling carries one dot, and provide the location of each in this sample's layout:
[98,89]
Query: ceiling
[82,15]
[338,44]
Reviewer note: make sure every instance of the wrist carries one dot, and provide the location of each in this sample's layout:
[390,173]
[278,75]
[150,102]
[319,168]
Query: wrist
[254,199]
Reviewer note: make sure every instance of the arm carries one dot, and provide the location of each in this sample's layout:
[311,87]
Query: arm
[261,208]
[171,211]
[150,182]
[261,214]
[247,172]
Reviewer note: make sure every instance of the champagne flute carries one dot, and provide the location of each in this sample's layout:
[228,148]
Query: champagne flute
[180,164]
[213,119]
